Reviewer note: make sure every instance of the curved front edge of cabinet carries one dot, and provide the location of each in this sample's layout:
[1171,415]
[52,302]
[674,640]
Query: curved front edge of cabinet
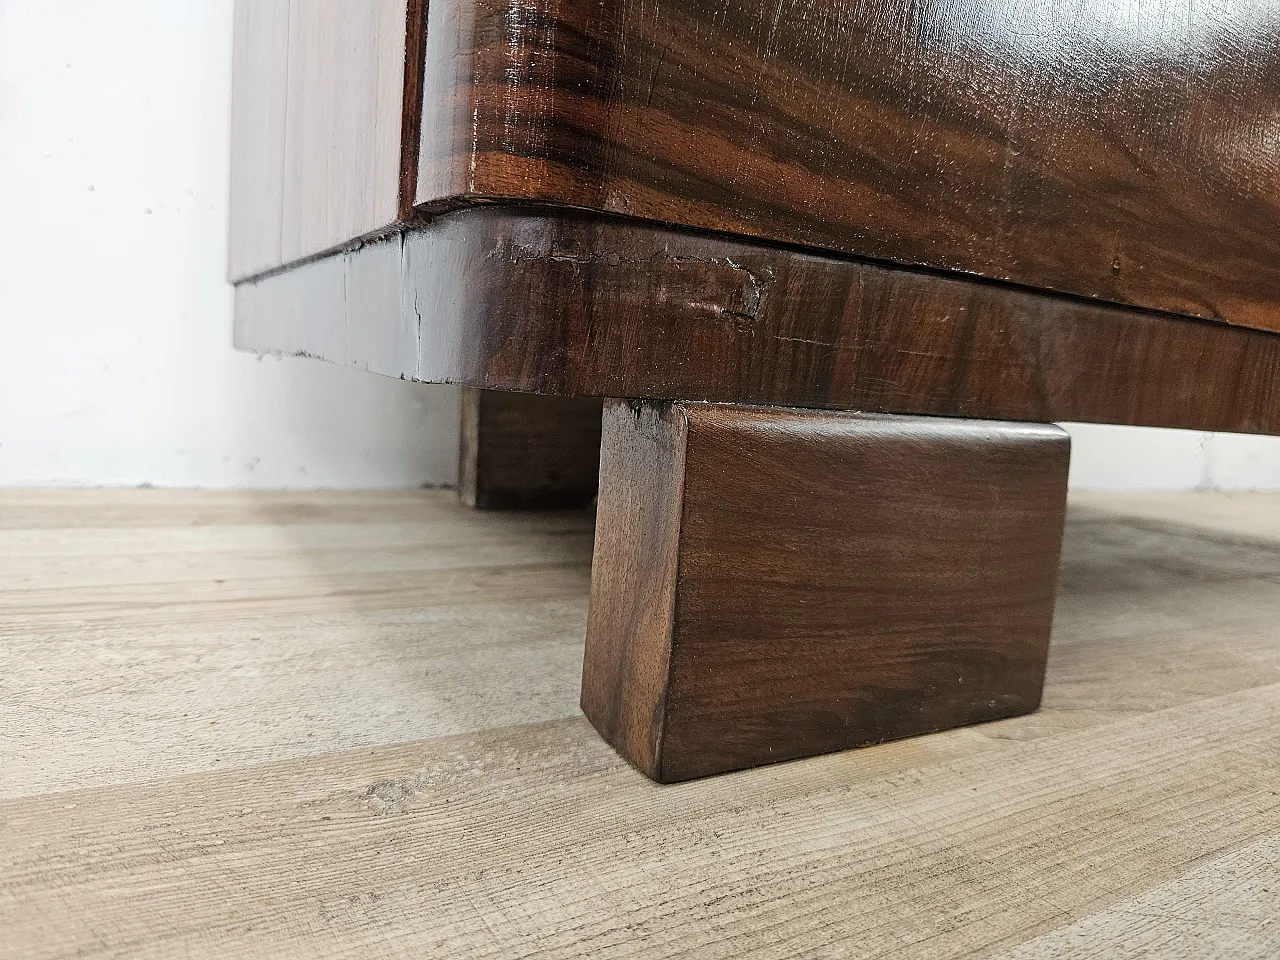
[566,303]
[515,101]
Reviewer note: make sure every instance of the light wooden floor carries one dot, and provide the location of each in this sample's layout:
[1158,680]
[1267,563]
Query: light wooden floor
[345,725]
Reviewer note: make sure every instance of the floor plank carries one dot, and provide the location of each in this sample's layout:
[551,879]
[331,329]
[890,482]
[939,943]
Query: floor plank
[1227,908]
[513,841]
[366,740]
[1251,516]
[148,649]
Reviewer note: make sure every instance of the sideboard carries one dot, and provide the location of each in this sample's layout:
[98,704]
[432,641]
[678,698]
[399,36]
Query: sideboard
[836,267]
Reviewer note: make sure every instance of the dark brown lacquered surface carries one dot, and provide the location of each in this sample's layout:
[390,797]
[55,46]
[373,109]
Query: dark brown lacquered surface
[523,451]
[1121,149]
[415,52]
[773,584]
[561,303]
[627,666]
[600,307]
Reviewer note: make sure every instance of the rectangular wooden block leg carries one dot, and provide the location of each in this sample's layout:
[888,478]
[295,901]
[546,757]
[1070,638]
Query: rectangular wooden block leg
[524,451]
[771,584]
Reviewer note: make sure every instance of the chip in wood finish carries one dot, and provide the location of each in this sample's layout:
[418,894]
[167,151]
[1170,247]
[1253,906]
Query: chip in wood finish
[530,300]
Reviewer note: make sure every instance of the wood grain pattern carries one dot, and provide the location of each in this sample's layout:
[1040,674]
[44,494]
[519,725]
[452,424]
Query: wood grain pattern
[1221,909]
[415,56]
[1122,150]
[522,451]
[626,672]
[319,92]
[772,584]
[580,305]
[374,780]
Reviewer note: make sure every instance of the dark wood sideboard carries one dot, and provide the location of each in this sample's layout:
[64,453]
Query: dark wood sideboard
[836,265]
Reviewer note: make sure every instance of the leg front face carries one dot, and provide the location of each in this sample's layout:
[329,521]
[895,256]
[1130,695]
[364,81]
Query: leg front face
[772,584]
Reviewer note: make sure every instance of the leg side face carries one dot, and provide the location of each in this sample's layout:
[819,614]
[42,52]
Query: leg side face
[633,578]
[844,580]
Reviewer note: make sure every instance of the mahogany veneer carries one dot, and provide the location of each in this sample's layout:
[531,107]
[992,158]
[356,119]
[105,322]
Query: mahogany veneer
[771,584]
[1036,212]
[528,452]
[1121,150]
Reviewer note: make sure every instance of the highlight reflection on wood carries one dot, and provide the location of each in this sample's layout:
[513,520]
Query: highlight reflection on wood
[1119,149]
[1033,211]
[316,153]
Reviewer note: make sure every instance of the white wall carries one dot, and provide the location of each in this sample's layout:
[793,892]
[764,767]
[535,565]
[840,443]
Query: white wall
[115,321]
[1127,458]
[115,363]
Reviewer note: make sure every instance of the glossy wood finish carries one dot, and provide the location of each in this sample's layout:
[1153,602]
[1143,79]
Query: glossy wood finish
[573,304]
[772,584]
[634,576]
[415,53]
[523,451]
[1119,149]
